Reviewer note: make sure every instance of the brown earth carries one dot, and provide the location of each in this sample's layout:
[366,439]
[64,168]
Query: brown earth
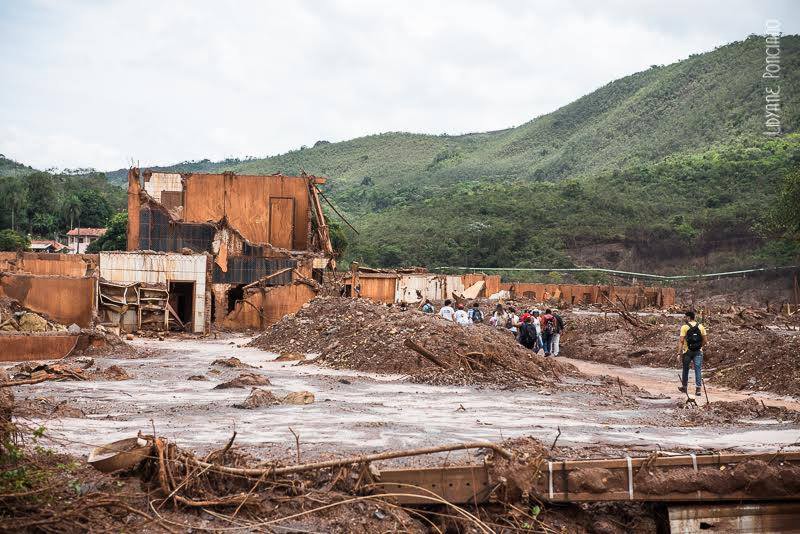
[361,335]
[746,350]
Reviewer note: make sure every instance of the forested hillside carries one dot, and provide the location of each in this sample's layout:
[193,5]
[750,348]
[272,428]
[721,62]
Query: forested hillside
[46,205]
[664,169]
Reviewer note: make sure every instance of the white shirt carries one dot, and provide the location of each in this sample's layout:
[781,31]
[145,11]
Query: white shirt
[462,317]
[447,312]
[537,324]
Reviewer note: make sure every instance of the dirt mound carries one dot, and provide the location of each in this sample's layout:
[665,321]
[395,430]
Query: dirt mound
[233,362]
[245,380]
[113,372]
[742,353]
[258,398]
[358,334]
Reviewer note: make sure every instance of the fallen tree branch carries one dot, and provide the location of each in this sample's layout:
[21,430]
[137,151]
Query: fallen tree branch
[290,469]
[411,344]
[11,383]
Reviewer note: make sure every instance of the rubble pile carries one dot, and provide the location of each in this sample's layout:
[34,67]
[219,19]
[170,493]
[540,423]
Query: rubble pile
[80,369]
[745,350]
[16,318]
[359,334]
[720,413]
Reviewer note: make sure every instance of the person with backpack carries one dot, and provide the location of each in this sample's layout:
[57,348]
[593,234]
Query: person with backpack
[475,313]
[690,349]
[527,333]
[555,344]
[427,307]
[548,329]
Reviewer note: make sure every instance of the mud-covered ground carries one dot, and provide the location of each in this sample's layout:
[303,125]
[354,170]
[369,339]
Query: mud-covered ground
[747,349]
[362,412]
[173,388]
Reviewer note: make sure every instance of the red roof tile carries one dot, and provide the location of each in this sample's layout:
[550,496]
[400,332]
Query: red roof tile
[91,232]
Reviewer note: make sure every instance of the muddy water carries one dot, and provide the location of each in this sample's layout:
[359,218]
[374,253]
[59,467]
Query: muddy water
[353,411]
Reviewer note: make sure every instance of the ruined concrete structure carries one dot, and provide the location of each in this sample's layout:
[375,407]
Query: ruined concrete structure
[60,286]
[265,237]
[414,286]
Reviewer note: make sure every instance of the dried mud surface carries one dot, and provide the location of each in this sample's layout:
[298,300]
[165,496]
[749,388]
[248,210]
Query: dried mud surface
[753,351]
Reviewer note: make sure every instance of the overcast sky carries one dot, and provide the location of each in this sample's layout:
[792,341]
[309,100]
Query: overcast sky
[98,83]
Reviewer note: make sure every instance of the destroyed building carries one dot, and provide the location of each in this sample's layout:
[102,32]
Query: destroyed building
[236,251]
[415,285]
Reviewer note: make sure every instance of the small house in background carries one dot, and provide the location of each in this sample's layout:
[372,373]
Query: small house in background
[80,238]
[44,245]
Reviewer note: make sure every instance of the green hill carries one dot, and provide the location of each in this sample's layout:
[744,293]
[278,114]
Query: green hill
[586,183]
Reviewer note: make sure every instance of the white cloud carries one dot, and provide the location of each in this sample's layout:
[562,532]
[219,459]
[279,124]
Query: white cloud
[96,84]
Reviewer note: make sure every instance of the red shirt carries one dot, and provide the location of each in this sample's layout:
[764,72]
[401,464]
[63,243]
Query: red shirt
[545,318]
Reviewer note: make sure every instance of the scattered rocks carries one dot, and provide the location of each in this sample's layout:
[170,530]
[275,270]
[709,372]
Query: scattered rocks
[74,329]
[198,378]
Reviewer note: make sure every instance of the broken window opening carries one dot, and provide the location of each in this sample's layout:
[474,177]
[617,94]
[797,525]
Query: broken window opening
[235,293]
[318,274]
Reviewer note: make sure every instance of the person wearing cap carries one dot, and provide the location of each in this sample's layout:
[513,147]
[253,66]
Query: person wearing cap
[461,315]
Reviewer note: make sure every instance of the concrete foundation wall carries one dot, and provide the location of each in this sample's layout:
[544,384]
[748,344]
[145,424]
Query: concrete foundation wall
[24,347]
[48,264]
[62,299]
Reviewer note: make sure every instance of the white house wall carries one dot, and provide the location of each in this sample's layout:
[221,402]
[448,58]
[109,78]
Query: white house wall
[127,267]
[162,181]
[429,286]
[454,283]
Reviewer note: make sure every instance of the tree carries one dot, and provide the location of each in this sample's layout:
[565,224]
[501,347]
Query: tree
[14,196]
[115,238]
[338,238]
[787,209]
[95,210]
[71,208]
[11,241]
[41,200]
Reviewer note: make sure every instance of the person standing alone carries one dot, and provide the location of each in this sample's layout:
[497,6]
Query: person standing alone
[690,348]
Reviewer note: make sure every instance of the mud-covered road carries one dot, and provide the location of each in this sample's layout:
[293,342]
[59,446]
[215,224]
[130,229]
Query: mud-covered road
[359,412]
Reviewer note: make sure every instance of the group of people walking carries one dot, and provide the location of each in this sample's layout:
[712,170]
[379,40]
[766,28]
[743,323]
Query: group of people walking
[535,330]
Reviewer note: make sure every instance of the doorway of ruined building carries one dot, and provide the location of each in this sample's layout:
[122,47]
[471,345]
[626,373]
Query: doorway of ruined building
[181,299]
[235,293]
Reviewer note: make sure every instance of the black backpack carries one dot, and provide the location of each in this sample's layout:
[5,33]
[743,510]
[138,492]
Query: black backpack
[694,338]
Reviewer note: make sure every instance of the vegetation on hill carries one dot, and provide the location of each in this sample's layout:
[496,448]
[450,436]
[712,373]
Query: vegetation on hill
[665,169]
[48,205]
